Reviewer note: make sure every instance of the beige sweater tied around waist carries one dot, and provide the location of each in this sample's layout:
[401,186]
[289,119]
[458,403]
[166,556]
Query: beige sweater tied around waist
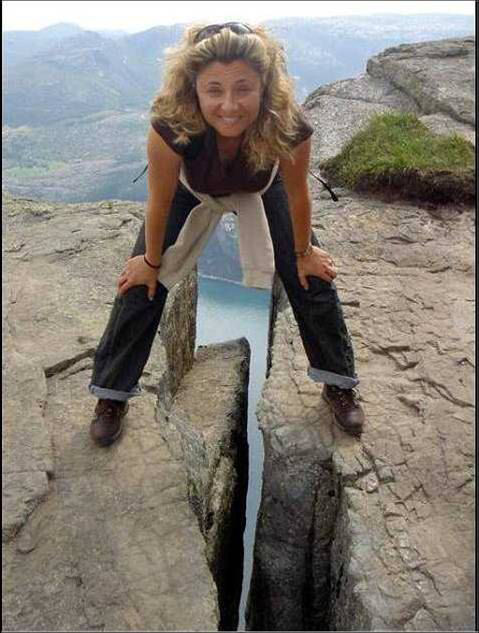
[255,246]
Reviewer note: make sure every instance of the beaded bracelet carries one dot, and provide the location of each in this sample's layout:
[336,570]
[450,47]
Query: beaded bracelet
[150,265]
[306,252]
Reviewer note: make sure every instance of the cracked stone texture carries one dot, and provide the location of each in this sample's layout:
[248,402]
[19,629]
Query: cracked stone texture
[206,428]
[433,80]
[94,538]
[375,534]
[378,534]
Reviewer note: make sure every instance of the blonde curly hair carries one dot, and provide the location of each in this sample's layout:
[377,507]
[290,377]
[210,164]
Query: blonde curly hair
[273,133]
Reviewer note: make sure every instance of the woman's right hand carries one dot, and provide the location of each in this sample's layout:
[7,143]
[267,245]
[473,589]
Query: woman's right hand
[318,263]
[137,273]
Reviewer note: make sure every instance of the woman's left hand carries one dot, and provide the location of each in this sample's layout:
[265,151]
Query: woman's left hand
[318,263]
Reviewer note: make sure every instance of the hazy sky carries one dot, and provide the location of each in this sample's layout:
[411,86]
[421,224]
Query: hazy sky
[133,15]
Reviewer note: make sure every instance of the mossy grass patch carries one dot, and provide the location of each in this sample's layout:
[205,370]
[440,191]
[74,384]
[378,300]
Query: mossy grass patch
[397,154]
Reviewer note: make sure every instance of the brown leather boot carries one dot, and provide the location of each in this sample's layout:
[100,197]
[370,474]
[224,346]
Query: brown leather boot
[348,413]
[107,425]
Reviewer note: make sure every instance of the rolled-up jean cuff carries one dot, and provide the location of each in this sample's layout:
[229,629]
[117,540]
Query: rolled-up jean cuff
[330,378]
[113,394]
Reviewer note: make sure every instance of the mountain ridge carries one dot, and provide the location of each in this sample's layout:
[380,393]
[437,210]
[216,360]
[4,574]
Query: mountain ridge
[59,143]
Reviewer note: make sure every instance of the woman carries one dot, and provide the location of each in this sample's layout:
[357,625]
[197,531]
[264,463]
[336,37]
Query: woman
[225,130]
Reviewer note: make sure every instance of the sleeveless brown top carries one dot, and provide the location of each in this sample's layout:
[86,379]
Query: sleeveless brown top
[207,174]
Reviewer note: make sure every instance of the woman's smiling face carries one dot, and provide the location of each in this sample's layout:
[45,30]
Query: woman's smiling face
[229,96]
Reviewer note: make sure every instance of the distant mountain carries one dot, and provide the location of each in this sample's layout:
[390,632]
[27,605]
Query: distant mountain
[73,78]
[82,74]
[64,71]
[19,45]
[322,50]
[59,31]
[113,35]
[76,102]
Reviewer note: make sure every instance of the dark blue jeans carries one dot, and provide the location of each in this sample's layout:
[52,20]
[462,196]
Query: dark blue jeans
[126,343]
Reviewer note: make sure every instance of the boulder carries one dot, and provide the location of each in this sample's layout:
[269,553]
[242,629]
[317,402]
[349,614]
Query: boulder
[438,75]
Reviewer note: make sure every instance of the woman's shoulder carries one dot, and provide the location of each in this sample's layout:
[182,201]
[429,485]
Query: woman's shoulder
[168,134]
[304,129]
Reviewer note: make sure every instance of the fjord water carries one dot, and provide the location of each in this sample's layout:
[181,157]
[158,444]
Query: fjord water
[228,311]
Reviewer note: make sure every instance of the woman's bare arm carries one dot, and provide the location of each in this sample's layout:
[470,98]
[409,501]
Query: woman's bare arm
[317,263]
[295,177]
[163,172]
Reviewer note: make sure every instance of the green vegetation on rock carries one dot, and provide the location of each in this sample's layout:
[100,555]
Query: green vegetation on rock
[397,153]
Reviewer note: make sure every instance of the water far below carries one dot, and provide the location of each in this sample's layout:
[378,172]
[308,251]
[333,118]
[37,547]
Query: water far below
[228,311]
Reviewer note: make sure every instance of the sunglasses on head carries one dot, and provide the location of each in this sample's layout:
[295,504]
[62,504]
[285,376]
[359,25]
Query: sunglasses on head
[212,29]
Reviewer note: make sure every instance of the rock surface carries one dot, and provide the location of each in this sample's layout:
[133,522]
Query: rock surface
[439,75]
[434,80]
[94,538]
[206,428]
[376,534]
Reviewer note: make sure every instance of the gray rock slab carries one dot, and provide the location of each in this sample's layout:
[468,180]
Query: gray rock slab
[438,75]
[206,428]
[115,545]
[27,456]
[57,257]
[442,124]
[365,88]
[383,526]
[96,538]
[336,120]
